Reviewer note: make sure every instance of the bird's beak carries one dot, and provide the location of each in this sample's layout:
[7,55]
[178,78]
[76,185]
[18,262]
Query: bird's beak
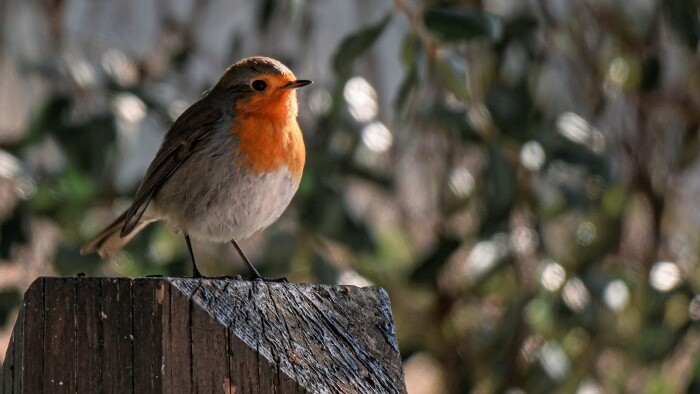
[296,84]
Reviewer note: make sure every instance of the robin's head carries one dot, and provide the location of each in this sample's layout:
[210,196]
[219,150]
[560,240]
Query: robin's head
[263,85]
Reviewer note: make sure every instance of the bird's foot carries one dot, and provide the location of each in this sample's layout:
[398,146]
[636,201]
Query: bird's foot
[226,277]
[260,278]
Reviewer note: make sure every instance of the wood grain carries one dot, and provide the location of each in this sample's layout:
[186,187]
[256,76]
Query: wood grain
[147,317]
[33,323]
[202,335]
[117,344]
[89,334]
[59,336]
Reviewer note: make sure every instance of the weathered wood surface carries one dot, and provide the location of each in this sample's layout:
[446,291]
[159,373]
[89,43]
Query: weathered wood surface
[201,335]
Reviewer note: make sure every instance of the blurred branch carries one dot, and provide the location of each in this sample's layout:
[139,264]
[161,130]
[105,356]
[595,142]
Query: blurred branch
[348,167]
[415,20]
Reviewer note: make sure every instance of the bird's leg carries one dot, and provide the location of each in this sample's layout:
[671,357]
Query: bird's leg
[195,271]
[254,274]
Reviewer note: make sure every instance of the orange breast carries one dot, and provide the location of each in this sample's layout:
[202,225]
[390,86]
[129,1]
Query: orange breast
[268,143]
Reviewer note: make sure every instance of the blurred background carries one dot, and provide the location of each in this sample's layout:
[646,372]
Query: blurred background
[522,177]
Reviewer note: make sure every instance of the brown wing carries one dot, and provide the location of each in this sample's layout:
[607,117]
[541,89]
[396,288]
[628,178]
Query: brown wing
[185,136]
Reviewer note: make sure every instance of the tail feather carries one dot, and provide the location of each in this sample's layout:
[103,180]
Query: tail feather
[110,240]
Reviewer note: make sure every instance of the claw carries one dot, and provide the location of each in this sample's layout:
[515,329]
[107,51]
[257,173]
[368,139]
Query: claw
[259,278]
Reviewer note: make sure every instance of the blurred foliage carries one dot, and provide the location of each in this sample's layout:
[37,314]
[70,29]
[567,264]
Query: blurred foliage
[530,198]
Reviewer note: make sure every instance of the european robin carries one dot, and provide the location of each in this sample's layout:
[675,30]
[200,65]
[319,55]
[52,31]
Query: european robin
[227,168]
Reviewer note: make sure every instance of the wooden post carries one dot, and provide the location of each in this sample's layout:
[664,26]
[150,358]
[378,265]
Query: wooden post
[172,335]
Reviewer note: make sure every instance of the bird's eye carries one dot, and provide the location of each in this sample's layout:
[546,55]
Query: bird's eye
[259,85]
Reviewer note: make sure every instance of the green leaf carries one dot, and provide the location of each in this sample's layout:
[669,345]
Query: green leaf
[50,117]
[511,108]
[411,51]
[407,86]
[76,186]
[411,57]
[334,221]
[8,299]
[356,44]
[682,16]
[453,119]
[500,190]
[453,73]
[429,269]
[614,200]
[14,230]
[456,24]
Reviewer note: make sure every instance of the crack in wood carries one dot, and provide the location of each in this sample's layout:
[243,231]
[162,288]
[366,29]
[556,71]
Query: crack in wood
[75,331]
[286,339]
[205,335]
[131,333]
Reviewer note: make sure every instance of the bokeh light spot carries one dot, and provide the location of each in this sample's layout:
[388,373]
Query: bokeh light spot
[81,71]
[586,233]
[479,115]
[481,258]
[129,108]
[576,295]
[320,102]
[589,386]
[362,99]
[12,169]
[532,155]
[553,276]
[664,276]
[619,71]
[524,239]
[574,128]
[120,67]
[350,277]
[531,347]
[461,182]
[554,361]
[377,137]
[694,308]
[616,295]
[484,255]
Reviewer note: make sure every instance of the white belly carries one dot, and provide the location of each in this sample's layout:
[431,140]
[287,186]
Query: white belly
[221,202]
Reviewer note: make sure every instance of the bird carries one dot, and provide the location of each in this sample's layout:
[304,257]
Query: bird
[227,168]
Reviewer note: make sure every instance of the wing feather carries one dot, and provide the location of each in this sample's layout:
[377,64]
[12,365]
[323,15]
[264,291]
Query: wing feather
[185,137]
